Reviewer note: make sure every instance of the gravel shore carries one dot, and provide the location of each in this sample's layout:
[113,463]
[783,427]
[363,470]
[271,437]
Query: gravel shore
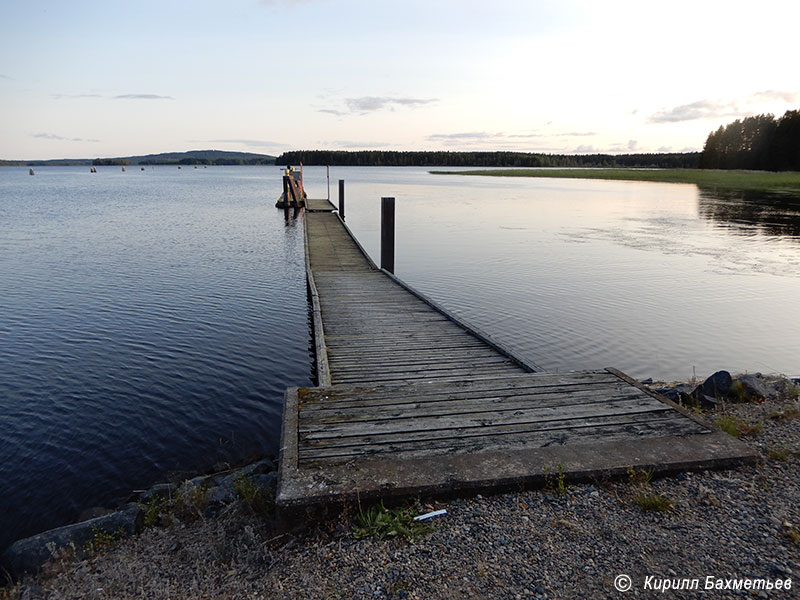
[558,543]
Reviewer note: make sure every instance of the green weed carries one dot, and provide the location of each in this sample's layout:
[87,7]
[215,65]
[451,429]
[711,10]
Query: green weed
[778,453]
[382,523]
[102,540]
[737,427]
[556,482]
[258,499]
[649,501]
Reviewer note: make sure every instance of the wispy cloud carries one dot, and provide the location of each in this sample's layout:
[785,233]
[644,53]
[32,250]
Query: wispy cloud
[142,97]
[714,109]
[369,104]
[773,95]
[61,96]
[5,77]
[61,138]
[702,109]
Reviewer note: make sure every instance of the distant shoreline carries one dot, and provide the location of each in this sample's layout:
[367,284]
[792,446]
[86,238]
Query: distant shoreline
[786,181]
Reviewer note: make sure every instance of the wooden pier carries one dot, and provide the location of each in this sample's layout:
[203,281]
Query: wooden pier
[412,401]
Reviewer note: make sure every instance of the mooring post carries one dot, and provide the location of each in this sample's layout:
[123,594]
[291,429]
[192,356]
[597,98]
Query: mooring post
[387,234]
[341,199]
[286,190]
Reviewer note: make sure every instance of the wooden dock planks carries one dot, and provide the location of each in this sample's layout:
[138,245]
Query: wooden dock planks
[413,401]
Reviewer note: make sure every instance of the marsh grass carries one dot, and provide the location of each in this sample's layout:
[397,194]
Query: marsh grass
[703,178]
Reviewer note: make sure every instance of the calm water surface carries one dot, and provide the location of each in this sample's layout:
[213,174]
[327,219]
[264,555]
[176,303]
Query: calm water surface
[658,280]
[150,321]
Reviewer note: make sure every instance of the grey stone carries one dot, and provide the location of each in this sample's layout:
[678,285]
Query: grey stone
[755,386]
[267,481]
[717,387]
[160,490]
[29,554]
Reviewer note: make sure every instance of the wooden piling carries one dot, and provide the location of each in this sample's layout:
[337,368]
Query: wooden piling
[341,199]
[387,234]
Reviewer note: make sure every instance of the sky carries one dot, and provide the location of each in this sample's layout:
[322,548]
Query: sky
[86,79]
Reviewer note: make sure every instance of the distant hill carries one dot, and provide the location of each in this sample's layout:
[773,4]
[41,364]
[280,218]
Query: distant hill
[193,157]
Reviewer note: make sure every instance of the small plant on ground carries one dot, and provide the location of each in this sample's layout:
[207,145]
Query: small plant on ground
[739,391]
[791,532]
[381,522]
[190,502]
[640,477]
[556,482]
[643,495]
[778,453]
[737,427]
[102,540]
[154,509]
[649,501]
[787,414]
[255,497]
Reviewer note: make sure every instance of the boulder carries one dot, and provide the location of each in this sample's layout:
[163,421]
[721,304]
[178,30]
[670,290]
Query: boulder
[268,481]
[29,554]
[752,387]
[160,490]
[715,389]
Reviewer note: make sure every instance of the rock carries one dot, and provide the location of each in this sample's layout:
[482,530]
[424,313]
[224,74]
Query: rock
[93,513]
[679,394]
[27,555]
[752,387]
[160,490]
[714,389]
[268,481]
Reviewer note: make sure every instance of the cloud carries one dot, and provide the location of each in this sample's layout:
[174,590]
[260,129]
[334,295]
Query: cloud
[5,77]
[665,149]
[632,145]
[332,111]
[702,109]
[60,96]
[773,95]
[369,104]
[53,136]
[712,109]
[586,149]
[142,97]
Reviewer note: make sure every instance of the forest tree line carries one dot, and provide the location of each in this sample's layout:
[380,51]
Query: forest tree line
[390,158]
[759,143]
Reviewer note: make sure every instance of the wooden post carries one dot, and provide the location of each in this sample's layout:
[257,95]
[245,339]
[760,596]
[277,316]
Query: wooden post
[387,234]
[341,199]
[286,190]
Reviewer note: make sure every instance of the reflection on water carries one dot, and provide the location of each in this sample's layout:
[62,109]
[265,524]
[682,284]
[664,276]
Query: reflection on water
[768,213]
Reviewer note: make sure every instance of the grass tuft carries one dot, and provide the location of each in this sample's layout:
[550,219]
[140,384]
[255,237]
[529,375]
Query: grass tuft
[737,427]
[649,501]
[382,523]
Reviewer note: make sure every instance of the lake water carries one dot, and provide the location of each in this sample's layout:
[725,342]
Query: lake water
[150,321]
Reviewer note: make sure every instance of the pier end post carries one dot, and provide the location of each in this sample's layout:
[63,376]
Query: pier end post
[387,234]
